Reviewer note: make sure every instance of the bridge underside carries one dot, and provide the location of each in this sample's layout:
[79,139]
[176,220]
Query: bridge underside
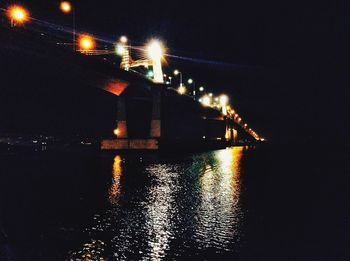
[160,118]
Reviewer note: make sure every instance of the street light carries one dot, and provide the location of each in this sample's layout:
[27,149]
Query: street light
[201,89]
[177,72]
[86,43]
[182,89]
[206,100]
[123,39]
[191,81]
[17,15]
[116,132]
[66,7]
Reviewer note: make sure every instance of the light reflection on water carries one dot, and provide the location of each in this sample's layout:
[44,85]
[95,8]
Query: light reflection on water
[179,207]
[114,190]
[219,212]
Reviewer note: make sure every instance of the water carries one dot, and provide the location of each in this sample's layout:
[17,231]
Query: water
[265,203]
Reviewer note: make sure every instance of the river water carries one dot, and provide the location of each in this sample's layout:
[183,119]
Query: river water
[241,203]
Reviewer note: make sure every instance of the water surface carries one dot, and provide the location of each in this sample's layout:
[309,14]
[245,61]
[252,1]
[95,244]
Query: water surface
[239,203]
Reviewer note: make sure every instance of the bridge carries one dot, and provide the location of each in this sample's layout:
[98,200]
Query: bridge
[149,111]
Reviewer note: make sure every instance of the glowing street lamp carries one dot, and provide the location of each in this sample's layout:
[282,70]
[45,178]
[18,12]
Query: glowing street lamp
[17,15]
[123,39]
[201,89]
[86,43]
[191,81]
[177,72]
[181,89]
[116,132]
[66,7]
[206,100]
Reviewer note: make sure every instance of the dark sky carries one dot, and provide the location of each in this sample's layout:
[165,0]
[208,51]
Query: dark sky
[284,63]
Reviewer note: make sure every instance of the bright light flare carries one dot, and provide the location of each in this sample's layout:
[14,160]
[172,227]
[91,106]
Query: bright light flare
[86,42]
[65,7]
[176,72]
[150,74]
[116,131]
[120,49]
[18,14]
[123,39]
[155,50]
[181,90]
[223,100]
[206,100]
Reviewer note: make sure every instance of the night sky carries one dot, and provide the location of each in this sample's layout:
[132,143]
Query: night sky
[284,64]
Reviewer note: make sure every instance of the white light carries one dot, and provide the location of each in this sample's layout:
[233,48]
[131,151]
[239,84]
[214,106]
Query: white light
[181,89]
[201,88]
[150,74]
[155,50]
[223,100]
[120,49]
[206,100]
[123,39]
[176,72]
[190,81]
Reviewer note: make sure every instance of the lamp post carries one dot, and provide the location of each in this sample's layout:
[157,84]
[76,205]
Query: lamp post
[191,81]
[177,72]
[66,7]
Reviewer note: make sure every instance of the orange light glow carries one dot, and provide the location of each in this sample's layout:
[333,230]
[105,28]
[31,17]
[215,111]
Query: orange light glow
[86,43]
[65,7]
[18,14]
[116,131]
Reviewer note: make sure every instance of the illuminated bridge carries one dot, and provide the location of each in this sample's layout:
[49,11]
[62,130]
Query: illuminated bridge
[118,102]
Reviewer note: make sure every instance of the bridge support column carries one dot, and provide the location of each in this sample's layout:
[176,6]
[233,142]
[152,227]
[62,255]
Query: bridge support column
[234,132]
[155,131]
[121,118]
